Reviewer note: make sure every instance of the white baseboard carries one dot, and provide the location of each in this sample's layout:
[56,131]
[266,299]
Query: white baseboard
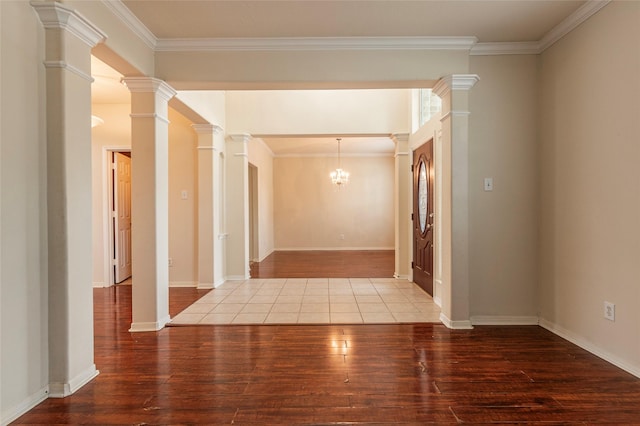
[12,413]
[265,256]
[400,277]
[138,327]
[455,325]
[60,390]
[504,320]
[204,286]
[588,346]
[331,248]
[218,283]
[237,277]
[183,284]
[99,284]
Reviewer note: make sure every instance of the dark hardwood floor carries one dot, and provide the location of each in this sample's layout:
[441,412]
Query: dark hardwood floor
[376,374]
[326,264]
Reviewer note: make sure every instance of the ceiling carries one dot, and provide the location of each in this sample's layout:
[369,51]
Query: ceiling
[489,21]
[504,21]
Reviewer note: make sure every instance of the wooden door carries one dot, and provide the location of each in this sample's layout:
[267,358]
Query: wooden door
[122,216]
[423,175]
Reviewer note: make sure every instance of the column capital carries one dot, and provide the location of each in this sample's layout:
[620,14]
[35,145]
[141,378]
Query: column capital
[455,82]
[399,137]
[55,15]
[150,85]
[239,137]
[207,129]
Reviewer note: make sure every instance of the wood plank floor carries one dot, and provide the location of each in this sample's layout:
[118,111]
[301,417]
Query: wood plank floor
[326,264]
[356,374]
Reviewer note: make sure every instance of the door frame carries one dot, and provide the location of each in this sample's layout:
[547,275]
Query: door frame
[107,223]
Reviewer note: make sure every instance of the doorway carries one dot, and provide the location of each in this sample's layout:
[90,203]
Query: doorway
[119,223]
[423,189]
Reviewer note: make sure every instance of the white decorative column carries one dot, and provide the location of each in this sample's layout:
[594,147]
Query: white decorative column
[454,223]
[149,202]
[69,39]
[402,206]
[237,203]
[208,203]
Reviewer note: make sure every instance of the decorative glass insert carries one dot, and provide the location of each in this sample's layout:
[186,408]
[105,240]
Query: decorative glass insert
[423,196]
[430,105]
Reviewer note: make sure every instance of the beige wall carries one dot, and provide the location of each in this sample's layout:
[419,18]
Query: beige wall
[309,112]
[261,157]
[183,213]
[24,371]
[590,202]
[503,224]
[310,213]
[114,133]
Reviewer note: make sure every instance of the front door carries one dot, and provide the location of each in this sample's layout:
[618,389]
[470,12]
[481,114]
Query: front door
[423,175]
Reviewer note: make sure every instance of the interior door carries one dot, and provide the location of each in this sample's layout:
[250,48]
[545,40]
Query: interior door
[423,175]
[122,216]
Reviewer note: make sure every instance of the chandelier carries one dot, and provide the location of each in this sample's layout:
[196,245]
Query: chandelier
[338,176]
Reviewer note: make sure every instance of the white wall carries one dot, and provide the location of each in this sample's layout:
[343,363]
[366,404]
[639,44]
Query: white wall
[24,372]
[311,213]
[262,158]
[590,202]
[309,112]
[503,224]
[210,104]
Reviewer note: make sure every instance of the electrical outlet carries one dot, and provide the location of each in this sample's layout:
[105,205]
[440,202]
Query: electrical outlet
[488,184]
[609,311]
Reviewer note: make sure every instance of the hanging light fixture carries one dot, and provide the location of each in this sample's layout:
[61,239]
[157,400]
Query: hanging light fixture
[338,176]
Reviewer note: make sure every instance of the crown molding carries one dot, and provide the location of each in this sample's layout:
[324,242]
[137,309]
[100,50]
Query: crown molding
[55,15]
[584,12]
[515,48]
[316,43]
[132,22]
[455,82]
[207,129]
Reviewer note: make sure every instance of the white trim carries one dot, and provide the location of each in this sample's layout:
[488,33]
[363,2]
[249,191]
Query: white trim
[589,346]
[207,129]
[150,85]
[400,277]
[504,320]
[455,82]
[314,43]
[237,277]
[137,327]
[61,390]
[506,48]
[183,284]
[24,406]
[55,15]
[331,248]
[455,325]
[205,286]
[150,115]
[125,15]
[571,22]
[219,283]
[454,114]
[241,154]
[206,148]
[100,284]
[68,67]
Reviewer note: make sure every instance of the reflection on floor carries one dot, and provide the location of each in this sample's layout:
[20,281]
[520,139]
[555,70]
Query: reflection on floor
[312,301]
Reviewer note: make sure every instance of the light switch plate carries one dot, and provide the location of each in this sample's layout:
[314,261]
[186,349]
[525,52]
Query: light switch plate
[488,184]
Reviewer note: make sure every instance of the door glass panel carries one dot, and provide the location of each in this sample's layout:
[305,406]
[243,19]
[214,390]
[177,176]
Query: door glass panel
[423,196]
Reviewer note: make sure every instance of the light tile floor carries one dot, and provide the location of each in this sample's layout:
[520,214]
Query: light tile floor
[312,301]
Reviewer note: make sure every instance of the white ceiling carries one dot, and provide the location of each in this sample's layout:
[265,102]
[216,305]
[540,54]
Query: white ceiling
[488,21]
